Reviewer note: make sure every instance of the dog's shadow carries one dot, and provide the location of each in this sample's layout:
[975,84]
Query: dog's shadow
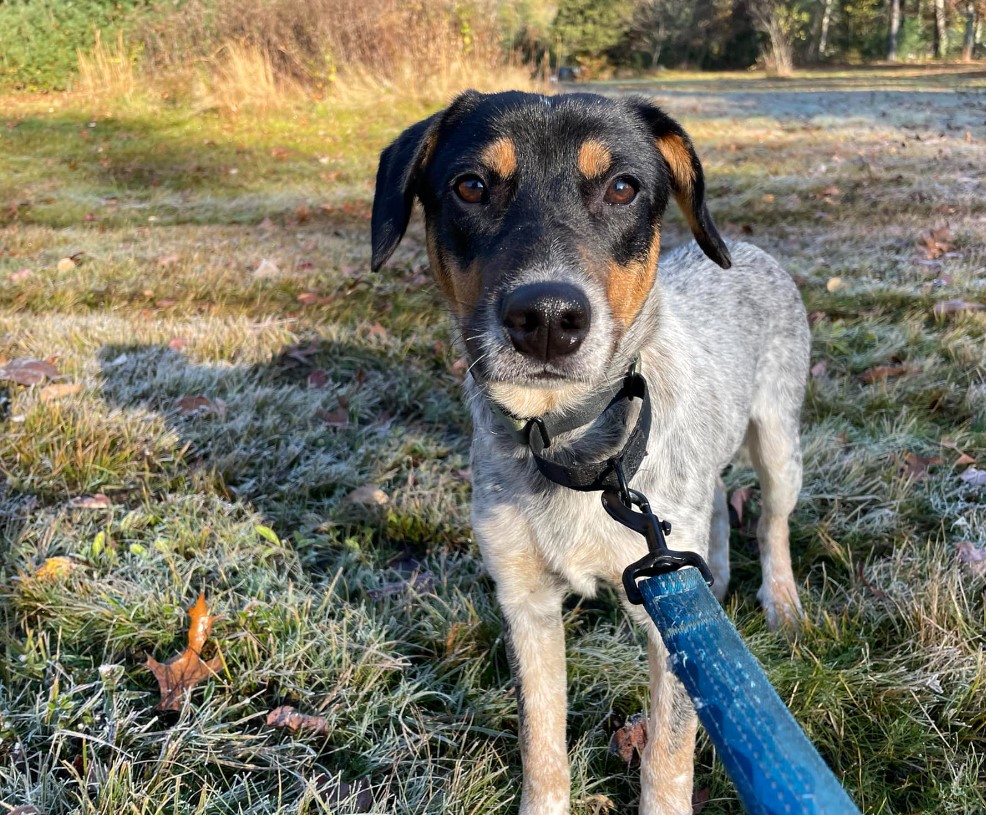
[293,436]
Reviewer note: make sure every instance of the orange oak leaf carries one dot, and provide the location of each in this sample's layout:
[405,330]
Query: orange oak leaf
[183,672]
[630,740]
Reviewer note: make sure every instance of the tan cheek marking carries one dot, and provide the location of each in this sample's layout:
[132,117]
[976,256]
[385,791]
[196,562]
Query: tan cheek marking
[501,157]
[594,158]
[627,286]
[461,287]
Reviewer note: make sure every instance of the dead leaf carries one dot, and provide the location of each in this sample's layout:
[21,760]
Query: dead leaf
[916,467]
[20,275]
[699,799]
[168,260]
[190,405]
[881,372]
[973,556]
[65,265]
[286,717]
[963,460]
[97,501]
[55,567]
[368,495]
[738,500]
[423,582]
[28,371]
[935,242]
[834,284]
[630,740]
[460,367]
[49,393]
[820,368]
[183,672]
[335,418]
[318,379]
[947,307]
[177,344]
[598,805]
[377,330]
[336,791]
[308,298]
[974,476]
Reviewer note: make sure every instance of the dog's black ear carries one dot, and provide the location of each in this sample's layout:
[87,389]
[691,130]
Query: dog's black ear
[401,165]
[687,180]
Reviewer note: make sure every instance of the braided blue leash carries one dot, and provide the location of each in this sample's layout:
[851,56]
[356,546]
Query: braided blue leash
[776,770]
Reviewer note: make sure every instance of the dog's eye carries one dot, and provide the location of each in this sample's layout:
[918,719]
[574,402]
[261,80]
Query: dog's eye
[621,190]
[471,189]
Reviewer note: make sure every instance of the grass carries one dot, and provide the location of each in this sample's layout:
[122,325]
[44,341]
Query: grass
[380,617]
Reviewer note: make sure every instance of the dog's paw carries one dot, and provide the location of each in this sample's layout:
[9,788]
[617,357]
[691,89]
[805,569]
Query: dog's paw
[783,611]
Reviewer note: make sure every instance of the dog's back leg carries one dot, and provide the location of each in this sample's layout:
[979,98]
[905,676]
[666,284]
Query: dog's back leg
[719,542]
[775,450]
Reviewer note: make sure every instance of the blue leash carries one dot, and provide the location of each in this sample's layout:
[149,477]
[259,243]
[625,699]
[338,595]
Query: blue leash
[776,770]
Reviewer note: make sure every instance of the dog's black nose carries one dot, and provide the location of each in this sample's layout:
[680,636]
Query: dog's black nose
[546,320]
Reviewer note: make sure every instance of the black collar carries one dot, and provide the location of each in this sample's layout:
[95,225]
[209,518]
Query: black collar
[612,474]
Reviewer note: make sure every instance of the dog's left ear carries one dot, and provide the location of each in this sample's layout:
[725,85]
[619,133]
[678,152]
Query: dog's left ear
[687,180]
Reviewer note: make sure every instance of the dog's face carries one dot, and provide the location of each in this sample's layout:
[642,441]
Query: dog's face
[543,224]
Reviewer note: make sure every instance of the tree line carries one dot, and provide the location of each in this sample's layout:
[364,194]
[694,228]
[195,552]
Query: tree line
[600,35]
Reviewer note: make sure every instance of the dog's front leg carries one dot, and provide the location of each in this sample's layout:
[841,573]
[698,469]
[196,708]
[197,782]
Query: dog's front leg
[667,764]
[536,644]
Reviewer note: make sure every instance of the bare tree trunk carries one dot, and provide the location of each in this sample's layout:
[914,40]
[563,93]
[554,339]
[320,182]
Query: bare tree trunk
[768,18]
[970,31]
[823,37]
[941,30]
[894,30]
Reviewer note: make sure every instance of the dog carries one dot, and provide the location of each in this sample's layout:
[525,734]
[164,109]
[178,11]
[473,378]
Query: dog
[543,222]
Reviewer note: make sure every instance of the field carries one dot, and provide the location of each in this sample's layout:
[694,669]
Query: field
[229,384]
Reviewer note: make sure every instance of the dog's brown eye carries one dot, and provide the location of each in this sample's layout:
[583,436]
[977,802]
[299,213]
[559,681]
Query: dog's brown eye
[471,189]
[621,191]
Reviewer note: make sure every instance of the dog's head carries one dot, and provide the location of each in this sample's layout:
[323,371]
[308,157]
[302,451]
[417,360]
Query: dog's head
[543,219]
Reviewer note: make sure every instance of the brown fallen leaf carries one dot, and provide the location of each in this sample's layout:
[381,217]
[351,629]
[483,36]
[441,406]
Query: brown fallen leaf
[183,672]
[189,405]
[834,284]
[973,556]
[49,393]
[308,298]
[65,265]
[368,495]
[28,371]
[318,378]
[947,307]
[738,500]
[286,717]
[700,798]
[459,367]
[630,740]
[963,460]
[974,476]
[820,368]
[935,242]
[334,418]
[598,805]
[334,790]
[916,467]
[882,372]
[20,275]
[177,344]
[55,567]
[96,501]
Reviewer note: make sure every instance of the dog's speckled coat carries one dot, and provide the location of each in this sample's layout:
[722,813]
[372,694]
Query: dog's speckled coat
[725,355]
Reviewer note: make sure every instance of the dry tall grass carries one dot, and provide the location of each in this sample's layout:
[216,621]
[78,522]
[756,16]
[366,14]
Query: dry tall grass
[107,70]
[262,53]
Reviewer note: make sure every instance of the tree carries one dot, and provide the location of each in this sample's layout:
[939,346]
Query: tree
[894,30]
[587,29]
[941,30]
[776,21]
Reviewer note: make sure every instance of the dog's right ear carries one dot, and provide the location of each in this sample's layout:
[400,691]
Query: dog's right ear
[400,166]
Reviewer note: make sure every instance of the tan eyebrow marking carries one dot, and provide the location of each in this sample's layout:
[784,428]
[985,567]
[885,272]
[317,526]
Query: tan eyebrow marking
[500,156]
[594,158]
